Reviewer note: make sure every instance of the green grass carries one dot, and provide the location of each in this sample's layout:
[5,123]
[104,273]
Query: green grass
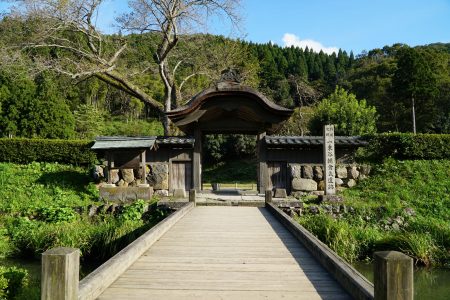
[393,189]
[241,171]
[37,212]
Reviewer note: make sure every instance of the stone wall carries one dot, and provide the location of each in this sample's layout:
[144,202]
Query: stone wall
[157,176]
[310,178]
[122,177]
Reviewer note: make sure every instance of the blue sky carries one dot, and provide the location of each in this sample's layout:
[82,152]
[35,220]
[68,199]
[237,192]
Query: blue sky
[330,24]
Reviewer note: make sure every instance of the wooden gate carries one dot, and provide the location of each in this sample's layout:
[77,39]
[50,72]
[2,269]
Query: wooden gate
[181,175]
[277,171]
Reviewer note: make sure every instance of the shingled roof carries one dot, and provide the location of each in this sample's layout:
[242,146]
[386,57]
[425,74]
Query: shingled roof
[139,142]
[123,142]
[351,141]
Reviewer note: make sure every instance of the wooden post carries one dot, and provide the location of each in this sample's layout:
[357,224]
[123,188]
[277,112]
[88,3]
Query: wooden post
[144,167]
[262,163]
[192,195]
[268,196]
[60,274]
[197,161]
[393,276]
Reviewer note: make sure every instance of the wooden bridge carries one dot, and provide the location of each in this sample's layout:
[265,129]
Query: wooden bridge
[226,252]
[213,252]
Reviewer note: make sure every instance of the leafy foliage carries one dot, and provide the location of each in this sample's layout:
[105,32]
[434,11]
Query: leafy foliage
[407,146]
[350,116]
[23,150]
[12,280]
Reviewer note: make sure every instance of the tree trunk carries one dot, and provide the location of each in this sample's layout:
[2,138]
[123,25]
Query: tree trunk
[413,115]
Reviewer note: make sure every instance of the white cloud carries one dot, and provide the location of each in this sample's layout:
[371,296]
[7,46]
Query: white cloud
[290,39]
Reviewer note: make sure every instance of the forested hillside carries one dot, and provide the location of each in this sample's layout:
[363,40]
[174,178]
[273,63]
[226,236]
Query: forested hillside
[51,104]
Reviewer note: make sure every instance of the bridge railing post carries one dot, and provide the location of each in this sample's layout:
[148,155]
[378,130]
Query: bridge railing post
[192,196]
[393,276]
[268,196]
[60,274]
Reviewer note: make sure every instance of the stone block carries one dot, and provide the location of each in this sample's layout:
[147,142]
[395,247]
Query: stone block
[352,172]
[179,193]
[122,183]
[330,198]
[318,173]
[302,184]
[280,193]
[338,181]
[125,194]
[162,193]
[364,170]
[98,173]
[295,171]
[321,185]
[114,176]
[307,172]
[351,183]
[127,175]
[158,176]
[341,172]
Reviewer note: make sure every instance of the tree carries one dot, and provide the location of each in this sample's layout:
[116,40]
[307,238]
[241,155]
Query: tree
[349,115]
[415,82]
[63,36]
[89,121]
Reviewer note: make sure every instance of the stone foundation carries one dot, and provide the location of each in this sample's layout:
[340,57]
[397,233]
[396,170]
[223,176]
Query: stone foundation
[308,179]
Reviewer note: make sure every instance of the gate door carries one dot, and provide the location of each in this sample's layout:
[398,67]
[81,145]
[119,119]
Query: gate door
[181,175]
[277,174]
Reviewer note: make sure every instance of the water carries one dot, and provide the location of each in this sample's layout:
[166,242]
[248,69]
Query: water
[429,284]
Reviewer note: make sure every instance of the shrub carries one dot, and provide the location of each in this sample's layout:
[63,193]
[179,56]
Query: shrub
[406,146]
[54,214]
[12,280]
[20,150]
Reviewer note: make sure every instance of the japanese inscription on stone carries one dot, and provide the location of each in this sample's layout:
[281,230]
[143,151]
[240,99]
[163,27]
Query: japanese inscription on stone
[329,159]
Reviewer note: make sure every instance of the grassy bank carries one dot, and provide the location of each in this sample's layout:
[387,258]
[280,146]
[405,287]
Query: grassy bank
[404,206]
[45,205]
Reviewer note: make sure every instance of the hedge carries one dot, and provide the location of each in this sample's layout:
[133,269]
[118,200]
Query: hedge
[407,146]
[20,150]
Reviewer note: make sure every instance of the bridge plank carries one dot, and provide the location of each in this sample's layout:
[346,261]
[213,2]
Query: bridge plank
[226,253]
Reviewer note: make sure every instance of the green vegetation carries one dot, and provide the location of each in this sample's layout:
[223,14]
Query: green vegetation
[349,115]
[45,205]
[404,206]
[21,150]
[406,146]
[12,281]
[235,171]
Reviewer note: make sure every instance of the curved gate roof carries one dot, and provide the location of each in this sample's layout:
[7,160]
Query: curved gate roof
[229,107]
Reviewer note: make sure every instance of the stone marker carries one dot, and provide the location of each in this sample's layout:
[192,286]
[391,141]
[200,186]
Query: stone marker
[393,276]
[329,159]
[60,274]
